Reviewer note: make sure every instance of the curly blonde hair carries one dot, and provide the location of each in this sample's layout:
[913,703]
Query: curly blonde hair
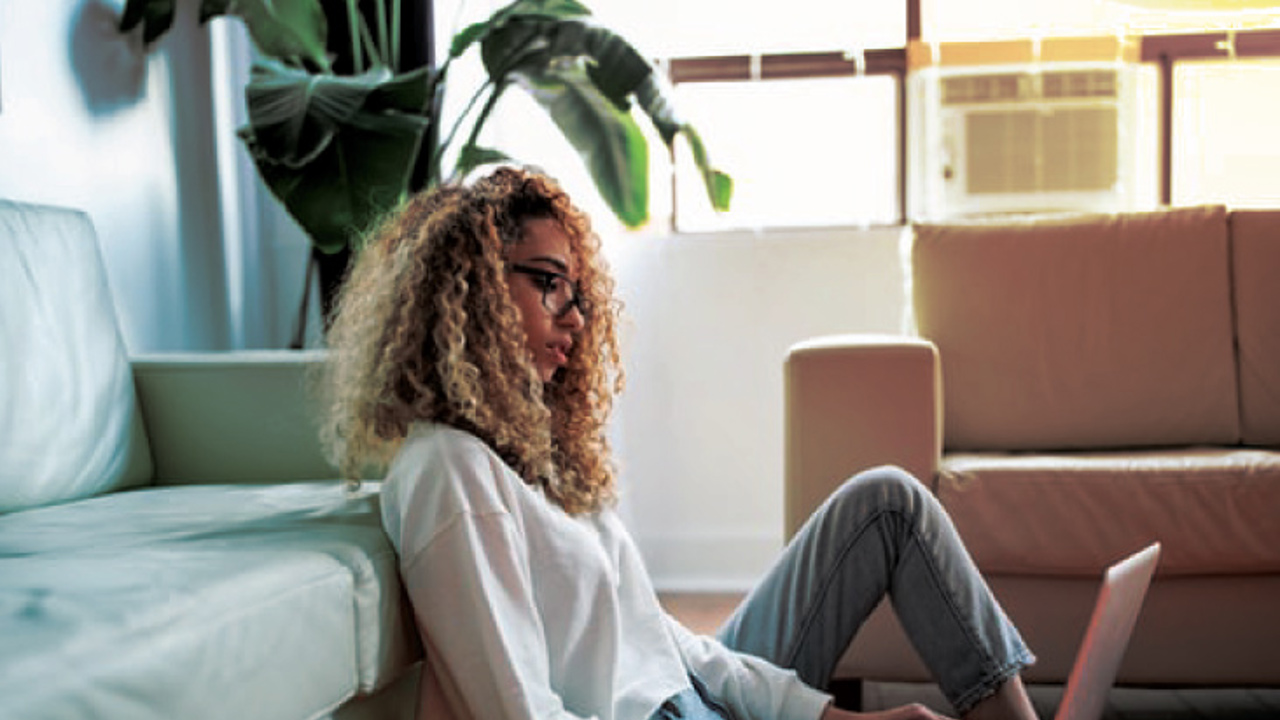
[425,331]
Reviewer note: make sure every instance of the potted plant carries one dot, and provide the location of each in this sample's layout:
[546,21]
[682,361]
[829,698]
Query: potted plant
[341,137]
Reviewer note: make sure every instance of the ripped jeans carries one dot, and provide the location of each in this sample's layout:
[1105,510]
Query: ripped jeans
[882,532]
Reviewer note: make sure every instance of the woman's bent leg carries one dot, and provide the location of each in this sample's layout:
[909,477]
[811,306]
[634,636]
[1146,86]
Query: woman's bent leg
[881,532]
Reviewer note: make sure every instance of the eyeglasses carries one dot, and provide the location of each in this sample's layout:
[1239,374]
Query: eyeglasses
[559,294]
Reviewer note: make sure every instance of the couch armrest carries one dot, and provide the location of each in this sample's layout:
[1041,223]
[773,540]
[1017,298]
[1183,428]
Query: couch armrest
[854,402]
[235,417]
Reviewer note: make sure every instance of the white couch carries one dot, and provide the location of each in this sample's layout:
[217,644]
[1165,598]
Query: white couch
[1078,386]
[172,542]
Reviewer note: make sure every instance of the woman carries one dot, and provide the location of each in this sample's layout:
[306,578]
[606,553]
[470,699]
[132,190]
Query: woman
[475,356]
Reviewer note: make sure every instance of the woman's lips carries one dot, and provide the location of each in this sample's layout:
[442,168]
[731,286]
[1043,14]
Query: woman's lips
[559,353]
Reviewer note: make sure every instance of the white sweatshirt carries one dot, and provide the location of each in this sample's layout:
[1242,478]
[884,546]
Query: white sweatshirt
[527,612]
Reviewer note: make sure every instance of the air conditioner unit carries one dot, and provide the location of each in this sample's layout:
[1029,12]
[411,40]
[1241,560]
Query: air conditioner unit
[1026,139]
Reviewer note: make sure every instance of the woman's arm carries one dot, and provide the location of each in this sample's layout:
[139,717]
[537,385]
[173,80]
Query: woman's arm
[753,688]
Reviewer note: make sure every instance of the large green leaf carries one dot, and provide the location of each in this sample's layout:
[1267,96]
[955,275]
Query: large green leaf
[520,9]
[337,151]
[606,137]
[528,43]
[654,98]
[473,156]
[292,31]
[526,46]
[289,30]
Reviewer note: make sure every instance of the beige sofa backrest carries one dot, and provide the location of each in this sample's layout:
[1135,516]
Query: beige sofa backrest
[1255,254]
[1084,331]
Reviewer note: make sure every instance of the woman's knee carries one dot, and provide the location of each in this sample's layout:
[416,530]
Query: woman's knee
[886,487]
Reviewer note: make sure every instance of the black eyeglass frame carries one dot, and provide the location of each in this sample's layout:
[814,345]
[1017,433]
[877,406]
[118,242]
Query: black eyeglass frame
[545,280]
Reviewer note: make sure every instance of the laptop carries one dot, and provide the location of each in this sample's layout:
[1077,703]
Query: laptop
[1114,614]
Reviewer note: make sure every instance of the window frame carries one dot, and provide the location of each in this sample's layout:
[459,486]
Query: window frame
[793,66]
[1168,50]
[1163,50]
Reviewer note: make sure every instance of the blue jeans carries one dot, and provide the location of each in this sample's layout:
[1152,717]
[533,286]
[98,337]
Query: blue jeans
[881,532]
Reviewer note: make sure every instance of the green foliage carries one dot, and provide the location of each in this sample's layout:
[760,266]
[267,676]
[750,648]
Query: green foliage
[339,150]
[292,30]
[336,150]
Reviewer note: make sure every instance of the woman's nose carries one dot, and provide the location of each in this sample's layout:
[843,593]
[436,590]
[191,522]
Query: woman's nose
[573,319]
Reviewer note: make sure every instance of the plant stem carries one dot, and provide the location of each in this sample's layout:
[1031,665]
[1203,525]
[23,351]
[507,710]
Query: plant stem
[371,44]
[395,35]
[498,89]
[384,43]
[354,23]
[462,116]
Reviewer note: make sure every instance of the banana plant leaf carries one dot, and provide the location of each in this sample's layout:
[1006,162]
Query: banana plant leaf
[590,100]
[292,31]
[473,156]
[604,135]
[336,150]
[526,9]
[654,99]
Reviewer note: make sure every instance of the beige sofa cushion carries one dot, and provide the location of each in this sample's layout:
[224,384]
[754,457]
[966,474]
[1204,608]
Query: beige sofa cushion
[1213,509]
[1081,331]
[1255,248]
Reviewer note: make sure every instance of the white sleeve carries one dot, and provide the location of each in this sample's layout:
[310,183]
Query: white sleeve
[751,687]
[470,586]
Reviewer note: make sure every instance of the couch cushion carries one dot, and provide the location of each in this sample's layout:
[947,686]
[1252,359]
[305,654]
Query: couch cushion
[1255,249]
[230,391]
[216,601]
[1089,331]
[1213,509]
[69,424]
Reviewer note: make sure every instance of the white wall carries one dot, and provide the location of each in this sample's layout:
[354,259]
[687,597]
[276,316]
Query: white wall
[699,428]
[88,120]
[198,255]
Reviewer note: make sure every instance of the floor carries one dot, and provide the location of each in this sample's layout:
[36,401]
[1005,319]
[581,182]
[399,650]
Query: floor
[703,613]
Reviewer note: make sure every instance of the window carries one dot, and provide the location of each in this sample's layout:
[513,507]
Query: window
[802,108]
[1199,92]
[1226,147]
[719,28]
[802,152]
[778,99]
[821,112]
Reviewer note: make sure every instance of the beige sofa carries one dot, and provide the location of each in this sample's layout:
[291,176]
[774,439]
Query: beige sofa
[1078,386]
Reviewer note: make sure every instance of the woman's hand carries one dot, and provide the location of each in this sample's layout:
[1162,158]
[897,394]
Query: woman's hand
[914,711]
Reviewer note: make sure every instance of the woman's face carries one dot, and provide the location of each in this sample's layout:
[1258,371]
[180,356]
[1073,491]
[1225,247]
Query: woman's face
[542,278]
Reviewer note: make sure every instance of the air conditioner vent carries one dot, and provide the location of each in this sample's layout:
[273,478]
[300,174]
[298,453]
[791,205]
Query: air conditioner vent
[974,89]
[1079,84]
[1041,150]
[1026,86]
